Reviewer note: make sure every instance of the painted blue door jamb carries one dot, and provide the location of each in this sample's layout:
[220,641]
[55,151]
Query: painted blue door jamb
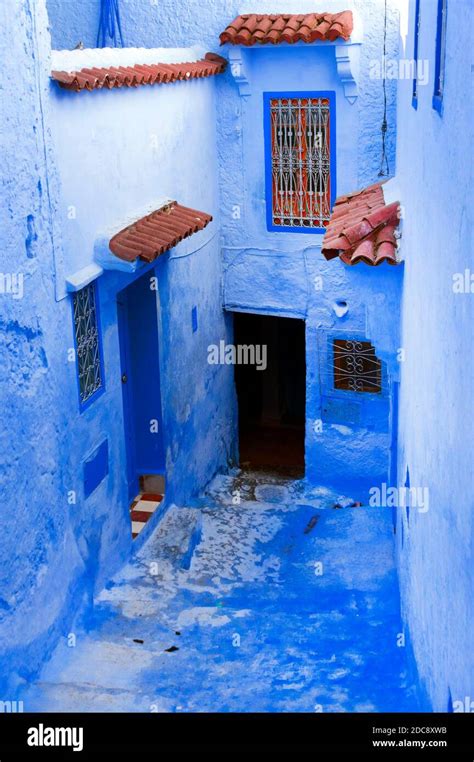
[139,357]
[122,316]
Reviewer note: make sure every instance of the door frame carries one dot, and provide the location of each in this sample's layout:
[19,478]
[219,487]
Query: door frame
[278,313]
[128,390]
[124,339]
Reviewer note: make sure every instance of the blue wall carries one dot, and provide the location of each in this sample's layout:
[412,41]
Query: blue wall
[436,434]
[145,143]
[79,166]
[157,23]
[44,554]
[372,297]
[284,273]
[97,153]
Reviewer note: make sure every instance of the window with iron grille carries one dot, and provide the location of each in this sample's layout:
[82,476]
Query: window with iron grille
[299,153]
[88,348]
[356,366]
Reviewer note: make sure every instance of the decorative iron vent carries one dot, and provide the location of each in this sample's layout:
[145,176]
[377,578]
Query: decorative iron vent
[87,343]
[356,366]
[300,156]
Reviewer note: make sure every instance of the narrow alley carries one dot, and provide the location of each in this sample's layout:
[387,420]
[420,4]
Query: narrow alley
[236,312]
[279,603]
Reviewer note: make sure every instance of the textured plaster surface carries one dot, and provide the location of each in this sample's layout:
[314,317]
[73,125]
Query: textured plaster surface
[73,169]
[56,554]
[436,401]
[41,556]
[233,590]
[145,143]
[277,273]
[163,23]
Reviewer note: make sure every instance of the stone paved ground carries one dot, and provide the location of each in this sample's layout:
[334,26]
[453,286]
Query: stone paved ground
[223,609]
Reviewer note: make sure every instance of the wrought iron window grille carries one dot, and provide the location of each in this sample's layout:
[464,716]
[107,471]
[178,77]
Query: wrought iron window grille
[356,367]
[300,161]
[88,351]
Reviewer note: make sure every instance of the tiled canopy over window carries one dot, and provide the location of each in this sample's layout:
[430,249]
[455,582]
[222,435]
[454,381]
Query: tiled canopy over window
[254,28]
[363,228]
[299,127]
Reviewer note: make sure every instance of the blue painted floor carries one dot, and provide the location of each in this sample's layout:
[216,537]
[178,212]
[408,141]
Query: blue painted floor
[225,609]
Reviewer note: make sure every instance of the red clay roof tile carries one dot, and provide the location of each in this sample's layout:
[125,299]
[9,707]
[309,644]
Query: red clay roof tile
[140,74]
[362,228]
[275,28]
[159,231]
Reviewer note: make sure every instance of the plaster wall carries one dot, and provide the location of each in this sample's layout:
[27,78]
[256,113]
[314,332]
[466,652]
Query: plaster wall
[199,22]
[42,557]
[294,257]
[436,397]
[280,272]
[119,153]
[76,165]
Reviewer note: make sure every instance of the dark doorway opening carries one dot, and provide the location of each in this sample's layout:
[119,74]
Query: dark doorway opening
[271,399]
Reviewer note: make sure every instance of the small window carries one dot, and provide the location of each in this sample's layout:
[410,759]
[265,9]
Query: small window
[88,346]
[414,100]
[299,153]
[356,366]
[440,55]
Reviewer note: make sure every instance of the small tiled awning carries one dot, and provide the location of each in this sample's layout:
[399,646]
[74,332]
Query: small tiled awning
[362,228]
[159,231]
[139,74]
[255,29]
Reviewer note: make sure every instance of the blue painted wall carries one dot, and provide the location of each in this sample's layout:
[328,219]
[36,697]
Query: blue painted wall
[154,23]
[96,155]
[145,143]
[372,297]
[47,543]
[285,273]
[78,166]
[436,436]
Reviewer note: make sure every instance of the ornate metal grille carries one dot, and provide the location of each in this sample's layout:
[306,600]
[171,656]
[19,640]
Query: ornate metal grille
[356,366]
[301,183]
[87,342]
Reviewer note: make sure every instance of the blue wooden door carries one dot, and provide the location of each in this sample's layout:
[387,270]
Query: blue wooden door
[140,379]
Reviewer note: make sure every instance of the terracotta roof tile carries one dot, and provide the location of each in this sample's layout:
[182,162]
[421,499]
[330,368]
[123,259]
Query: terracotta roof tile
[255,29]
[362,228]
[159,231]
[139,74]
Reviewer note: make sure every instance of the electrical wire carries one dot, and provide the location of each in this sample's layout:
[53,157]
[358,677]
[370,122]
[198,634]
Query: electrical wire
[384,158]
[110,27]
